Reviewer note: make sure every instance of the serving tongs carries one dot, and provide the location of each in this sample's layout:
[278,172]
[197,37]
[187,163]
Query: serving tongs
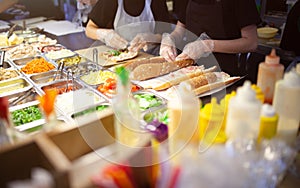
[95,56]
[23,97]
[2,53]
[11,30]
[70,76]
[59,71]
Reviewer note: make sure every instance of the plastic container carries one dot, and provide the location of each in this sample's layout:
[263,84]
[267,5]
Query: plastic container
[183,119]
[268,122]
[286,103]
[243,114]
[269,72]
[211,120]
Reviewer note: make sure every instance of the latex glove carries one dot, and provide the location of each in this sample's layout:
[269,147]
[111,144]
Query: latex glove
[111,38]
[143,40]
[168,47]
[88,2]
[202,47]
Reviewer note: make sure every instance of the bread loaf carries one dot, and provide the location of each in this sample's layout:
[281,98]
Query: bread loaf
[131,65]
[182,77]
[203,80]
[150,70]
[211,86]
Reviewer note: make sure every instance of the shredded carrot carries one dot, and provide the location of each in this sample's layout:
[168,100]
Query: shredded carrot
[36,66]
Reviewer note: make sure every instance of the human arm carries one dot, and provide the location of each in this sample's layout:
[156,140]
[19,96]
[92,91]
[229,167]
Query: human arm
[88,2]
[246,43]
[168,43]
[107,36]
[5,4]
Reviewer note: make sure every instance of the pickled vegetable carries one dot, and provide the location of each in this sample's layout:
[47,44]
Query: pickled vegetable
[37,65]
[26,115]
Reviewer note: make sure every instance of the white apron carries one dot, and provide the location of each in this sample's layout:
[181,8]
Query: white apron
[129,26]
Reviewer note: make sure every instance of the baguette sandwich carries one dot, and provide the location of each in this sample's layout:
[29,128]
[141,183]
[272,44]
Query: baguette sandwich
[154,67]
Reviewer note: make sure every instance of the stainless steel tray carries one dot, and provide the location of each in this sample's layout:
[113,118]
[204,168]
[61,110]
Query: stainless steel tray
[163,101]
[30,98]
[6,65]
[14,85]
[46,77]
[23,61]
[91,109]
[61,86]
[84,68]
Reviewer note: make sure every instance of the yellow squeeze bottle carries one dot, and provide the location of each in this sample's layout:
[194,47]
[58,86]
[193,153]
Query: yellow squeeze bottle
[268,122]
[210,123]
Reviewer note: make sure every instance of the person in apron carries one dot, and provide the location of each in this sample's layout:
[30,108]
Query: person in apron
[133,31]
[226,27]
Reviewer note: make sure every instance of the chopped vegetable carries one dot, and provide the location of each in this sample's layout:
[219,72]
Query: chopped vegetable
[36,66]
[147,100]
[26,115]
[115,52]
[161,116]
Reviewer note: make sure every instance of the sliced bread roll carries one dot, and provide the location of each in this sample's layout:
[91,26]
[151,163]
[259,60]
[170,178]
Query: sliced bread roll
[131,65]
[215,85]
[202,80]
[151,70]
[182,77]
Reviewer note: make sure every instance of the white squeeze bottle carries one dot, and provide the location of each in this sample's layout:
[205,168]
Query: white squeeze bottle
[287,105]
[183,114]
[243,118]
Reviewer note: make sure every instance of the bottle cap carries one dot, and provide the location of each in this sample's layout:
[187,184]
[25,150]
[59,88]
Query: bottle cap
[292,79]
[272,58]
[246,92]
[268,110]
[212,110]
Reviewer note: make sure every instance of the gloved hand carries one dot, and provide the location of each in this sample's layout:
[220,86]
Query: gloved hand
[143,40]
[202,47]
[168,47]
[111,38]
[88,2]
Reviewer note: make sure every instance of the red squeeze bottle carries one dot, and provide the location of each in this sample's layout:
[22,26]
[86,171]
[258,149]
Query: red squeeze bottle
[269,72]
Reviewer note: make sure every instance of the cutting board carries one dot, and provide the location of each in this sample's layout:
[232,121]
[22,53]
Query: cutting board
[88,53]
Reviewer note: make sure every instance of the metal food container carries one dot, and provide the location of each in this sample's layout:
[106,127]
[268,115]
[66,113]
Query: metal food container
[13,85]
[6,65]
[27,117]
[47,77]
[148,105]
[54,47]
[23,61]
[63,86]
[84,68]
[97,77]
[70,61]
[7,74]
[22,97]
[97,108]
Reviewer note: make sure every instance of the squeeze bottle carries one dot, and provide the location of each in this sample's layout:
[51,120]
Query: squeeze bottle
[243,114]
[211,120]
[183,114]
[268,122]
[269,72]
[287,105]
[127,115]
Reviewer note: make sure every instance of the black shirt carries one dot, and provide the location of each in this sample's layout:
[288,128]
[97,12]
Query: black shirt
[236,15]
[103,13]
[291,35]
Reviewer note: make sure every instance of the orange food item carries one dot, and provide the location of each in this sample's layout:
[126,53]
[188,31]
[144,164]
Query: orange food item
[47,101]
[110,85]
[36,66]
